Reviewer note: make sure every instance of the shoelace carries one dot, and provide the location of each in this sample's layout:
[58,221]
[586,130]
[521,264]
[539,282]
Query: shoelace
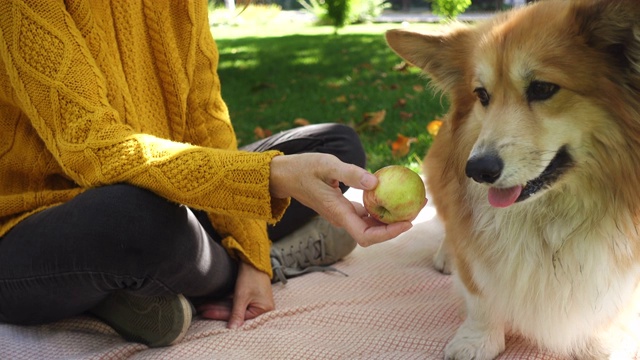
[303,260]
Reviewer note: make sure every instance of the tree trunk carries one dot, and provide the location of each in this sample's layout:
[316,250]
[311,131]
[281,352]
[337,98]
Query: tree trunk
[230,5]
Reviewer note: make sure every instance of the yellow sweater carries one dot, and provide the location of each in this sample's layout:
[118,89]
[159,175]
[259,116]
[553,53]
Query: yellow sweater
[97,92]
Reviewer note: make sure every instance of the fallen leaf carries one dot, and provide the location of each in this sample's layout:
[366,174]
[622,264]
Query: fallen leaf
[371,120]
[301,122]
[418,88]
[401,146]
[341,99]
[434,126]
[405,115]
[261,133]
[375,118]
[400,103]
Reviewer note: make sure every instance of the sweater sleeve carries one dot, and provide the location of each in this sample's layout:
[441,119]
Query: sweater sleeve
[57,84]
[245,238]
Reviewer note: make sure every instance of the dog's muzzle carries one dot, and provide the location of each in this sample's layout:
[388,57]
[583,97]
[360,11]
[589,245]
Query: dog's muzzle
[485,168]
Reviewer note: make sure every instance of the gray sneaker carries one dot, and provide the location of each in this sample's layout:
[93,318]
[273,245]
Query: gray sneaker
[152,320]
[313,247]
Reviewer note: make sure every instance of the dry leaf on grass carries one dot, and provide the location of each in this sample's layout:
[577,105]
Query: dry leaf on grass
[261,133]
[434,126]
[372,120]
[400,103]
[301,122]
[405,115]
[402,145]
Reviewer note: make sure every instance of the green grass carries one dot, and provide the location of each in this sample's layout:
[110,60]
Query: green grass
[273,75]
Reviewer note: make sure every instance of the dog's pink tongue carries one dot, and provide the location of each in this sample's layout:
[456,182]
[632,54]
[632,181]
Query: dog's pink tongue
[502,198]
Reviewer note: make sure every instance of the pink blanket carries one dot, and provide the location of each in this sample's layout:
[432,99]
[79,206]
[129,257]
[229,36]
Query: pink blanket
[393,305]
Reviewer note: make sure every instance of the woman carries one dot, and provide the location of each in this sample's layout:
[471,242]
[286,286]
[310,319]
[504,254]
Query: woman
[123,192]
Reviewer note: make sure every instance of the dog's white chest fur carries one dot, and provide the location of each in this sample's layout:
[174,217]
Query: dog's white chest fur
[551,276]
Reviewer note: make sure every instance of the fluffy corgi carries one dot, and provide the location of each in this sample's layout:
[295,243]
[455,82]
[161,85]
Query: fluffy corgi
[536,173]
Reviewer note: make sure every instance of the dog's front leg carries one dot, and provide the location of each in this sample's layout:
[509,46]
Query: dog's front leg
[480,337]
[442,259]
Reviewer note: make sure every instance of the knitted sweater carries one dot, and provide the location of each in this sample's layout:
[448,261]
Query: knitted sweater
[97,92]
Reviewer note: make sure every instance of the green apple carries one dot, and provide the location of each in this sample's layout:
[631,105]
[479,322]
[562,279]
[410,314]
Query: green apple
[399,195]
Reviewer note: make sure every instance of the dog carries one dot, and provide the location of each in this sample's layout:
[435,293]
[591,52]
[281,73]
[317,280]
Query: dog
[535,173]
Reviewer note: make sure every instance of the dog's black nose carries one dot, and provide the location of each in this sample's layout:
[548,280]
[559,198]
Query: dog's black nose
[484,168]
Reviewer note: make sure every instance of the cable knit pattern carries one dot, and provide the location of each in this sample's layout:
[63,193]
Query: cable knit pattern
[99,92]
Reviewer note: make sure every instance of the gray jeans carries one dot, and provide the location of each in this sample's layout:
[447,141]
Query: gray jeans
[65,260]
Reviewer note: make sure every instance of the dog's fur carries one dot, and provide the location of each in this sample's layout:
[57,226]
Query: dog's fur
[551,88]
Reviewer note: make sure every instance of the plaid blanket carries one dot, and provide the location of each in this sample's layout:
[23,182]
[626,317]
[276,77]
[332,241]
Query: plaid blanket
[392,305]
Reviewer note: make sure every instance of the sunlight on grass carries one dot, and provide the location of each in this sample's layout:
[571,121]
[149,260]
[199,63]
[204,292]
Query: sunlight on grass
[277,30]
[278,73]
[240,64]
[306,57]
[243,57]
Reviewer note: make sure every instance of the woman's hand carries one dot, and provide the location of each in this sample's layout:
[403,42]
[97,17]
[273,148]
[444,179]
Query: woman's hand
[252,297]
[313,178]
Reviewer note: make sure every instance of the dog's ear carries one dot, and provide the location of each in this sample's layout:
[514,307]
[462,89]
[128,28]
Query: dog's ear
[441,56]
[613,28]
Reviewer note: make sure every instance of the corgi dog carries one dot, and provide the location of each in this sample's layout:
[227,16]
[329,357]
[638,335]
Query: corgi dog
[535,173]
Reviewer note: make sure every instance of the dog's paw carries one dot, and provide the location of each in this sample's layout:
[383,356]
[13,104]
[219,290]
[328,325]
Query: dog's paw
[467,349]
[441,260]
[471,345]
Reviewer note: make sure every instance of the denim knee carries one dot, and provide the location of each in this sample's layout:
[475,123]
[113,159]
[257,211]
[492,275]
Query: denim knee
[140,233]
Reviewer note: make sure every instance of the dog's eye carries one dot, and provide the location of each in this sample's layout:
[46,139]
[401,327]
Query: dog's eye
[482,95]
[540,90]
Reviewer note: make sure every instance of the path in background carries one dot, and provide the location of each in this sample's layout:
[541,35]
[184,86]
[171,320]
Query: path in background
[424,16]
[390,16]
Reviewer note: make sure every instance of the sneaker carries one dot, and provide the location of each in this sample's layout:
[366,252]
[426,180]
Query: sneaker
[313,247]
[152,320]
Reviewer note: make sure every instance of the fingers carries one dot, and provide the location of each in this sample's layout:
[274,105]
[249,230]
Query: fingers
[247,310]
[355,176]
[215,311]
[367,231]
[360,210]
[237,313]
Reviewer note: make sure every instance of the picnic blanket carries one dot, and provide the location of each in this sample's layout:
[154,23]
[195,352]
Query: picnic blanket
[392,305]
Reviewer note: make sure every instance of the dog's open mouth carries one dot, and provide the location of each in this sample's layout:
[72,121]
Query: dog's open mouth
[503,197]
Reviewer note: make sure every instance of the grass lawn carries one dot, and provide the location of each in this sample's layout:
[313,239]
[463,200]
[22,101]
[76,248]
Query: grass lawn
[275,77]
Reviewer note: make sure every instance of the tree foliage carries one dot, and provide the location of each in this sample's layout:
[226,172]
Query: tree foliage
[449,8]
[338,12]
